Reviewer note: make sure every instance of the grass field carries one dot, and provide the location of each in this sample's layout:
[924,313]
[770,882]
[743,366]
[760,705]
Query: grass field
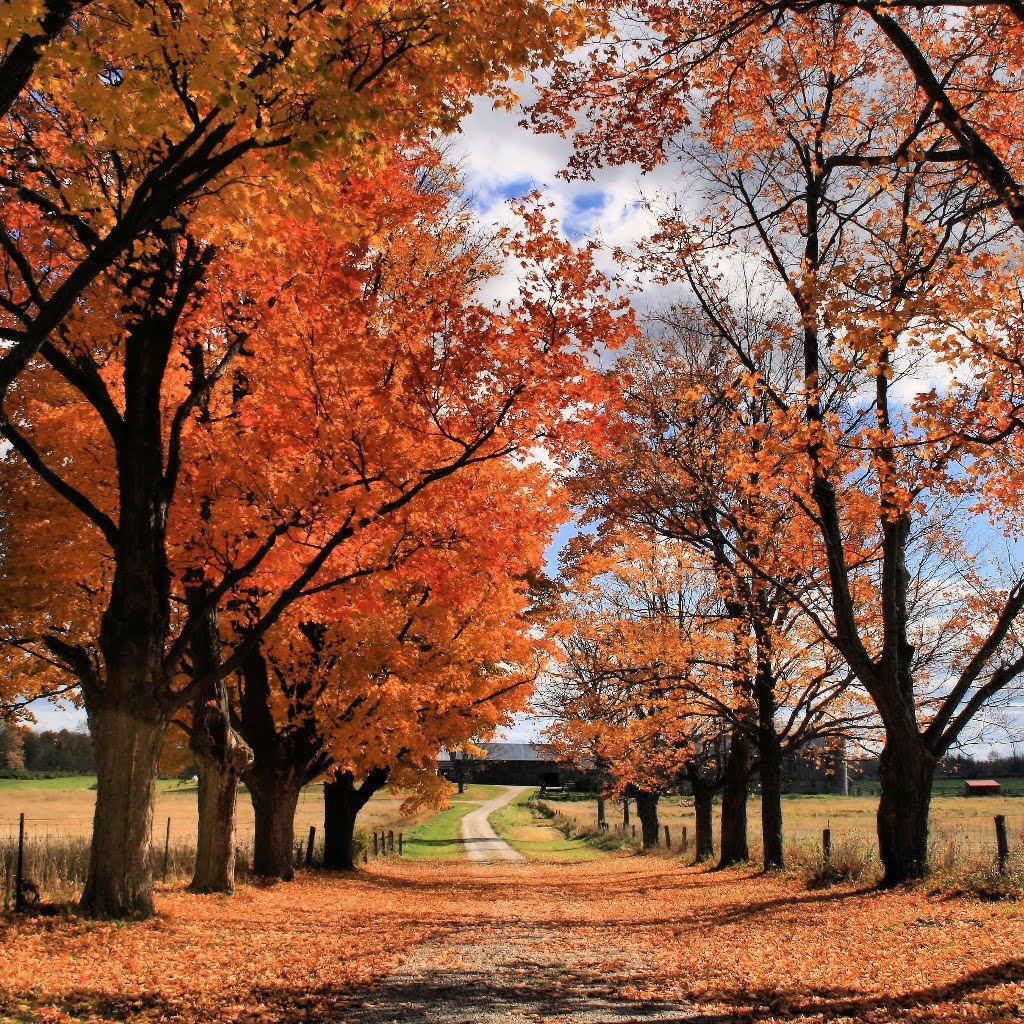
[943,787]
[64,808]
[536,838]
[958,823]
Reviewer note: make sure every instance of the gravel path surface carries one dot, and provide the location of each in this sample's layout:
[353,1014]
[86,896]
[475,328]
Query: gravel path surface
[483,844]
[522,972]
[528,975]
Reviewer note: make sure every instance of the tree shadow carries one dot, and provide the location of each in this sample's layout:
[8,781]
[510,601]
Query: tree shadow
[541,992]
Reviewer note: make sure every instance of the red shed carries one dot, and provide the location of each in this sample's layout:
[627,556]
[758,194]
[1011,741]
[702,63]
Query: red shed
[981,787]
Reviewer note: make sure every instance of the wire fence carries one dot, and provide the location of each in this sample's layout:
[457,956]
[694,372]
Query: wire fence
[54,855]
[55,851]
[952,843]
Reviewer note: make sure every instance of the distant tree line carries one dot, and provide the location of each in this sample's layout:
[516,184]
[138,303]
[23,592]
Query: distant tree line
[51,752]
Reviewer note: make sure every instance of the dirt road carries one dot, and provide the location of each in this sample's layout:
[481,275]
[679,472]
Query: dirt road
[483,844]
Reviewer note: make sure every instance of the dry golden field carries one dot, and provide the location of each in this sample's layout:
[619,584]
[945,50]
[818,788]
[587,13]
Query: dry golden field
[964,823]
[64,807]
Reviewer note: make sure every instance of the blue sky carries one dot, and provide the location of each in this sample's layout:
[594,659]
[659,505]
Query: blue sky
[500,161]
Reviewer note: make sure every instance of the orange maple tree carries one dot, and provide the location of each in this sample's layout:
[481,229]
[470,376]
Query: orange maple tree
[118,119]
[879,270]
[395,377]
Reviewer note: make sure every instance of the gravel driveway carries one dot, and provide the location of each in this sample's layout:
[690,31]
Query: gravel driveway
[483,844]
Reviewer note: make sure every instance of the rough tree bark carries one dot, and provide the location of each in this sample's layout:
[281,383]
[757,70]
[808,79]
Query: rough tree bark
[275,793]
[770,769]
[703,802]
[127,746]
[647,812]
[906,770]
[220,756]
[285,758]
[130,707]
[734,848]
[343,801]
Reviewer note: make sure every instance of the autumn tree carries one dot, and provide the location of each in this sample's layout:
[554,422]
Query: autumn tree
[370,689]
[957,54]
[633,634]
[686,467]
[396,376]
[882,269]
[707,686]
[12,747]
[118,120]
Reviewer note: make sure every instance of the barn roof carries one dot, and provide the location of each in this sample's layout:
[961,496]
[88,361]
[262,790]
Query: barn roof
[517,752]
[981,784]
[513,752]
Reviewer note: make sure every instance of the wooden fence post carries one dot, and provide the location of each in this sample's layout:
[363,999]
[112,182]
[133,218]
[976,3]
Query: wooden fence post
[668,839]
[167,850]
[686,840]
[399,844]
[309,846]
[634,831]
[375,842]
[391,841]
[19,875]
[826,844]
[1002,844]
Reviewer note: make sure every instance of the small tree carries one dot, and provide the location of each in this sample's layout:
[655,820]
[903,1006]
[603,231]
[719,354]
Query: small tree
[12,747]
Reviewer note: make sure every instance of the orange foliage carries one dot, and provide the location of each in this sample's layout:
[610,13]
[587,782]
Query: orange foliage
[728,945]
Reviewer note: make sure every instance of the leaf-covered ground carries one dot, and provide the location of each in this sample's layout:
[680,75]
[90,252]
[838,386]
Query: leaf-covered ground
[619,940]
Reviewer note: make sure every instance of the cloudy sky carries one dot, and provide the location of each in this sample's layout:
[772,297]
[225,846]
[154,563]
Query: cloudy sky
[501,161]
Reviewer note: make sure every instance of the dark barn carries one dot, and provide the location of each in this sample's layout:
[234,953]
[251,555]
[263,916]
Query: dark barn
[512,764]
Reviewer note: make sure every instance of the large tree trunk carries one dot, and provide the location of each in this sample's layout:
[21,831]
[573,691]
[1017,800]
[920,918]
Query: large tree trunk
[734,849]
[127,747]
[600,811]
[275,796]
[129,710]
[647,812]
[703,801]
[770,768]
[341,807]
[342,804]
[221,756]
[285,758]
[906,770]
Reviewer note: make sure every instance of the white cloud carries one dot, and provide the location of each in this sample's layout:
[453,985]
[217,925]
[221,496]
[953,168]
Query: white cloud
[62,715]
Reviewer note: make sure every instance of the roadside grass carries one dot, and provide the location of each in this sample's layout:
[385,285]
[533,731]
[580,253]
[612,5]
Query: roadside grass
[477,792]
[524,828]
[439,837]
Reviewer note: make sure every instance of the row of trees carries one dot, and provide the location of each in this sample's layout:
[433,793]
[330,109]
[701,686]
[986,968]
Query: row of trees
[806,523]
[274,471]
[272,468]
[64,752]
